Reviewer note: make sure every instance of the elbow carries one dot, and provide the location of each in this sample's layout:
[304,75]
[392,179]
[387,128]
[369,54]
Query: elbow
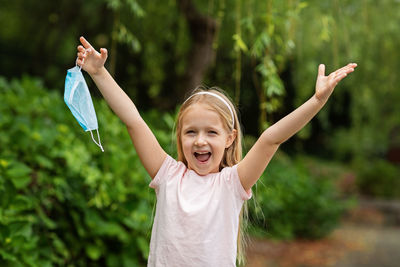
[270,139]
[131,125]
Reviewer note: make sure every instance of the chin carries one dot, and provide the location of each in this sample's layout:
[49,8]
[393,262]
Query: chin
[206,171]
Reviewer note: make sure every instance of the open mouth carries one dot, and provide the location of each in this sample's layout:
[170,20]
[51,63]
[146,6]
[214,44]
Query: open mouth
[202,156]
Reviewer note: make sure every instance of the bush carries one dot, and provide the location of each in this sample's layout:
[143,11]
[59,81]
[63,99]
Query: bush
[379,178]
[62,201]
[290,203]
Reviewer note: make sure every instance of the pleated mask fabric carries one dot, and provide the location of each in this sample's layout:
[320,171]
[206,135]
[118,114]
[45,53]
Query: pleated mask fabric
[78,99]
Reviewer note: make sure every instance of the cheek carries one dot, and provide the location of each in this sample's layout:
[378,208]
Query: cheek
[186,146]
[185,150]
[219,147]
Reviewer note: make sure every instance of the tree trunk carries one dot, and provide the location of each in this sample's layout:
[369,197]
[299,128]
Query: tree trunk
[201,55]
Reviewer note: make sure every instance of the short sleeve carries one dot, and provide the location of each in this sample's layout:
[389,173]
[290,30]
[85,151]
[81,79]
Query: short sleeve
[237,185]
[169,166]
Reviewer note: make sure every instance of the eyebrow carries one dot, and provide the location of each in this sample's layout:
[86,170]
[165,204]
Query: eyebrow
[207,128]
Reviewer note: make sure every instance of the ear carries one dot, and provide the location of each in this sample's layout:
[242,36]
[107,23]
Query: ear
[231,137]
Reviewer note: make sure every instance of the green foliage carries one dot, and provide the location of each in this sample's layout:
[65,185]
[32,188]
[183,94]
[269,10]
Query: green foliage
[379,179]
[362,116]
[263,34]
[339,32]
[269,28]
[292,202]
[63,201]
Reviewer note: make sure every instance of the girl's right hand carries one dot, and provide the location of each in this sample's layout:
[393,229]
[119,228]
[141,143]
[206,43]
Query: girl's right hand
[90,60]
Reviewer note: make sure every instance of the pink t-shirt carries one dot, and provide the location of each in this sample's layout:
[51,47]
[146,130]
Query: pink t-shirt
[197,217]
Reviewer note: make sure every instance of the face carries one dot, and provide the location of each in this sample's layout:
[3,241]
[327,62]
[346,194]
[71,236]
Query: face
[204,138]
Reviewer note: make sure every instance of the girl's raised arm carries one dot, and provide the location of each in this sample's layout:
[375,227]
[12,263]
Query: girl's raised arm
[149,150]
[257,159]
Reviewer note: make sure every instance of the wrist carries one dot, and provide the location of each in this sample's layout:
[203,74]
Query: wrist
[98,73]
[319,100]
[323,95]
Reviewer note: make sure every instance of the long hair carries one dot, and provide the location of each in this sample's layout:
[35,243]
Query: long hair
[232,155]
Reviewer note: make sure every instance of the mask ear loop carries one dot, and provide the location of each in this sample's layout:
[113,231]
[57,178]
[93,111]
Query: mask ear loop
[99,143]
[83,61]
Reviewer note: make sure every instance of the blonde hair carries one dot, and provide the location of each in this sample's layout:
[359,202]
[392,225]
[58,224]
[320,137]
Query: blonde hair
[232,155]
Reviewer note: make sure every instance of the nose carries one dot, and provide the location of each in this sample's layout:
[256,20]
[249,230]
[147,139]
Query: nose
[200,140]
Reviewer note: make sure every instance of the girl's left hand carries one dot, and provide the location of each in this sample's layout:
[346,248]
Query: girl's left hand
[326,84]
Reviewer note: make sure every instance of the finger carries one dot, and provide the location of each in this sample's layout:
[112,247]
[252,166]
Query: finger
[321,70]
[85,43]
[347,67]
[351,65]
[346,70]
[81,55]
[341,69]
[338,78]
[79,62]
[81,49]
[103,53]
[339,74]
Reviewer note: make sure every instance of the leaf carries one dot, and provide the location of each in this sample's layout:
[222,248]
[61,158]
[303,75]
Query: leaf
[4,163]
[143,246]
[135,8]
[7,256]
[114,4]
[169,120]
[21,228]
[21,203]
[302,5]
[127,37]
[261,43]
[44,161]
[239,43]
[94,252]
[50,224]
[19,175]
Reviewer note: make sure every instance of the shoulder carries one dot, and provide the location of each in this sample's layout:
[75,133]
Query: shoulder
[169,168]
[231,176]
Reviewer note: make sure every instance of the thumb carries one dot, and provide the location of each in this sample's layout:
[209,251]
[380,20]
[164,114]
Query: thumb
[321,70]
[103,53]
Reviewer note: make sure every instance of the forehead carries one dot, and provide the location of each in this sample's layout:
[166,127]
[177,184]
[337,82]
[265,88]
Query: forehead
[201,115]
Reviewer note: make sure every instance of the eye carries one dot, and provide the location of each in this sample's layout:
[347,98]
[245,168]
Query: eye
[212,132]
[189,132]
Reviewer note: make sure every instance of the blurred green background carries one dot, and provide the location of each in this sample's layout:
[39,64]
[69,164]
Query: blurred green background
[64,203]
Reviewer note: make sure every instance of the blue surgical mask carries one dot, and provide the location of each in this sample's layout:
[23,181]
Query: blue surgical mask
[78,99]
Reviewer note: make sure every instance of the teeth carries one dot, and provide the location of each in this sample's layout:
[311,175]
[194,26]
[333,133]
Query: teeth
[201,152]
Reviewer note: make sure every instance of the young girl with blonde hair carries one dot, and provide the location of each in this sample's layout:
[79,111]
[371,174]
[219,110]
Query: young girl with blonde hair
[200,195]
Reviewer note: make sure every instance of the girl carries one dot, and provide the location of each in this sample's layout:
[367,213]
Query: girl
[200,196]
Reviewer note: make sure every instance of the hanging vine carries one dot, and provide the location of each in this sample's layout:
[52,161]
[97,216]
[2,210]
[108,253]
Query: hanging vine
[270,50]
[239,47]
[120,32]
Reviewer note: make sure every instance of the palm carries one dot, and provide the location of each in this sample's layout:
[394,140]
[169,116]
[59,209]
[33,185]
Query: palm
[326,84]
[93,62]
[90,60]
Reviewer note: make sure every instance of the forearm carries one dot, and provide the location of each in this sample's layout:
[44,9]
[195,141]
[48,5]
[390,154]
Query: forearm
[116,98]
[293,122]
